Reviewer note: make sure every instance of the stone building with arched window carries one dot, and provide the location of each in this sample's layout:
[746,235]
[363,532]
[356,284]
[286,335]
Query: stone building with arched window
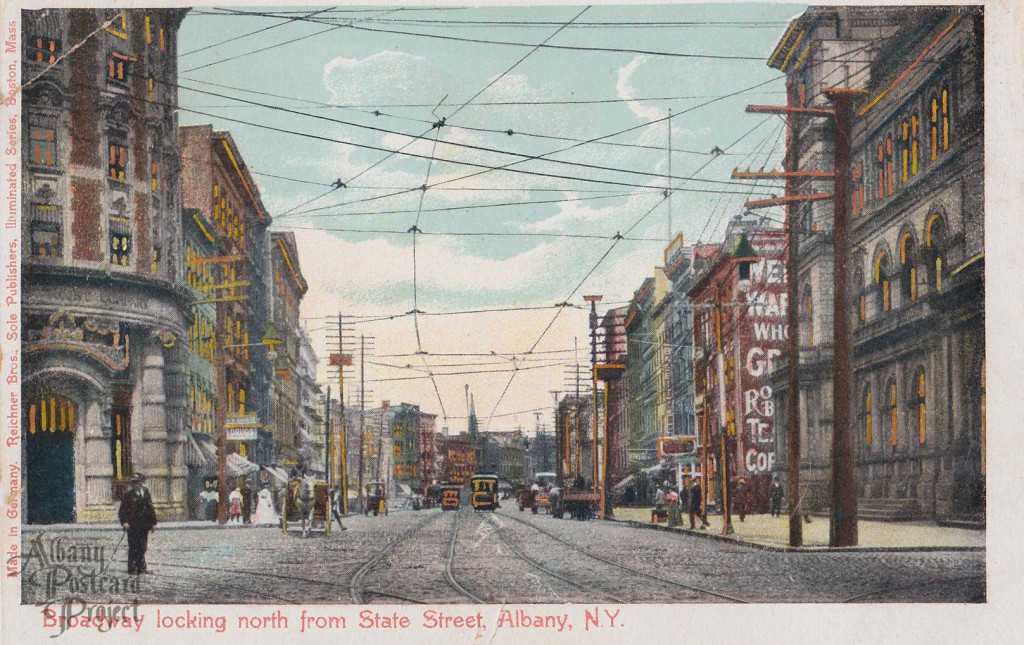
[104,315]
[916,269]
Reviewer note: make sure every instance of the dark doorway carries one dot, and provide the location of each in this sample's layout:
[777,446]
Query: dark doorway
[50,462]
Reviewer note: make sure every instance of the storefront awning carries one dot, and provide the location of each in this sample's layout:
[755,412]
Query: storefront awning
[280,474]
[239,466]
[200,452]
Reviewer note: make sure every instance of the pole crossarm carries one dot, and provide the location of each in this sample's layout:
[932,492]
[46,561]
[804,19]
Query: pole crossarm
[788,199]
[781,174]
[783,109]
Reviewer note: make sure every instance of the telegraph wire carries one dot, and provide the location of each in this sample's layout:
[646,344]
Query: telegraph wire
[251,33]
[525,157]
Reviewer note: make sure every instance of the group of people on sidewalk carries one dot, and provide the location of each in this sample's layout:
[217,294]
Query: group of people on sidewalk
[689,498]
[242,505]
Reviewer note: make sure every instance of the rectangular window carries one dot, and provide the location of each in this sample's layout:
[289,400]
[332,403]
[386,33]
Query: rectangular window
[45,240]
[153,177]
[156,259]
[120,248]
[117,161]
[119,67]
[44,145]
[43,50]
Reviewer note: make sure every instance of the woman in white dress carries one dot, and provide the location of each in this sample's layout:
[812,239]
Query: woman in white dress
[265,508]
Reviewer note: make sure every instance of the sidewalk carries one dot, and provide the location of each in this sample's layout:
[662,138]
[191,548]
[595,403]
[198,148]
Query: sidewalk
[765,531]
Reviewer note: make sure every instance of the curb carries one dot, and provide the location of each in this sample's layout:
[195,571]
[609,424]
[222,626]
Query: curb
[806,549]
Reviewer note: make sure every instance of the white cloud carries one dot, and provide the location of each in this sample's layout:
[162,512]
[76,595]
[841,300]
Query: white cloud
[626,91]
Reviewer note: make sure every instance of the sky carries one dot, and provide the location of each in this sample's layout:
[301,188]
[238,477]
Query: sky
[578,129]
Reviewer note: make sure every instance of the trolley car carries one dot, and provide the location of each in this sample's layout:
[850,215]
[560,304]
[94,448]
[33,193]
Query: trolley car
[450,498]
[376,499]
[484,492]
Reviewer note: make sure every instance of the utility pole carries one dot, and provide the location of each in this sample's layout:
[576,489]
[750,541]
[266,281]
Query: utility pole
[559,451]
[341,403]
[576,349]
[668,189]
[330,454]
[796,525]
[593,300]
[843,523]
[362,410]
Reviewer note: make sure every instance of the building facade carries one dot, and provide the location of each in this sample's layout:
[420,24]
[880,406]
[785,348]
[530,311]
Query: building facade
[291,440]
[916,275]
[217,185]
[739,334]
[105,316]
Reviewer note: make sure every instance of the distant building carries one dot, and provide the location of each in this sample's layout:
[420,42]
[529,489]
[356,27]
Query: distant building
[426,452]
[105,315]
[458,461]
[614,350]
[291,439]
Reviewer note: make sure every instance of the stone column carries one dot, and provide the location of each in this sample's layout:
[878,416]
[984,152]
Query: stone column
[150,436]
[94,469]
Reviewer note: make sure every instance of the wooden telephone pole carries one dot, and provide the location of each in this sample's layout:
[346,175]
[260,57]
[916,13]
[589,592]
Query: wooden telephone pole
[843,524]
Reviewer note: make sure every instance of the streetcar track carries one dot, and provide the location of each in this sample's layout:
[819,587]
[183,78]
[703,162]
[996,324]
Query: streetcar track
[451,557]
[499,531]
[619,565]
[357,578]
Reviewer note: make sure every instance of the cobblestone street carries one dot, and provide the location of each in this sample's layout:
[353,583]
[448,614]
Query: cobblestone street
[508,557]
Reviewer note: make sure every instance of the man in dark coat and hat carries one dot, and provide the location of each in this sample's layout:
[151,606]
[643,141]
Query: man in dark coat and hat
[138,517]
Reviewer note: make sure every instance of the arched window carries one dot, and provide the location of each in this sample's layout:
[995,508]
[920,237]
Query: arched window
[893,414]
[888,165]
[908,270]
[935,241]
[867,417]
[921,407]
[905,150]
[940,108]
[858,283]
[51,414]
[882,278]
[880,188]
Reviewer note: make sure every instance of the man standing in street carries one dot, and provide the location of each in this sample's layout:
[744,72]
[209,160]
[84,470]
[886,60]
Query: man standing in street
[138,517]
[776,497]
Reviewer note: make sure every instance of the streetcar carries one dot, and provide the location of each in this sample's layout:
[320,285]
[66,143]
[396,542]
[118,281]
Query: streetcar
[376,499]
[450,498]
[484,490]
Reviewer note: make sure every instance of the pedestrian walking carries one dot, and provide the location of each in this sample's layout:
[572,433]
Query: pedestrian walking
[672,500]
[740,498]
[659,498]
[246,503]
[695,506]
[336,507]
[776,497]
[265,513]
[138,517]
[235,504]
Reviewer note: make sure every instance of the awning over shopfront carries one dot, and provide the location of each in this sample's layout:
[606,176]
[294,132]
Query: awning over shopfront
[200,452]
[278,473]
[239,466]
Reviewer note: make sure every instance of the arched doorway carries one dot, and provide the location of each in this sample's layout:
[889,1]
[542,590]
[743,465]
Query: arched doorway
[50,459]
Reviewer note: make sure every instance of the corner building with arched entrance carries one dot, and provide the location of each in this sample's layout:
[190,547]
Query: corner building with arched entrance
[104,315]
